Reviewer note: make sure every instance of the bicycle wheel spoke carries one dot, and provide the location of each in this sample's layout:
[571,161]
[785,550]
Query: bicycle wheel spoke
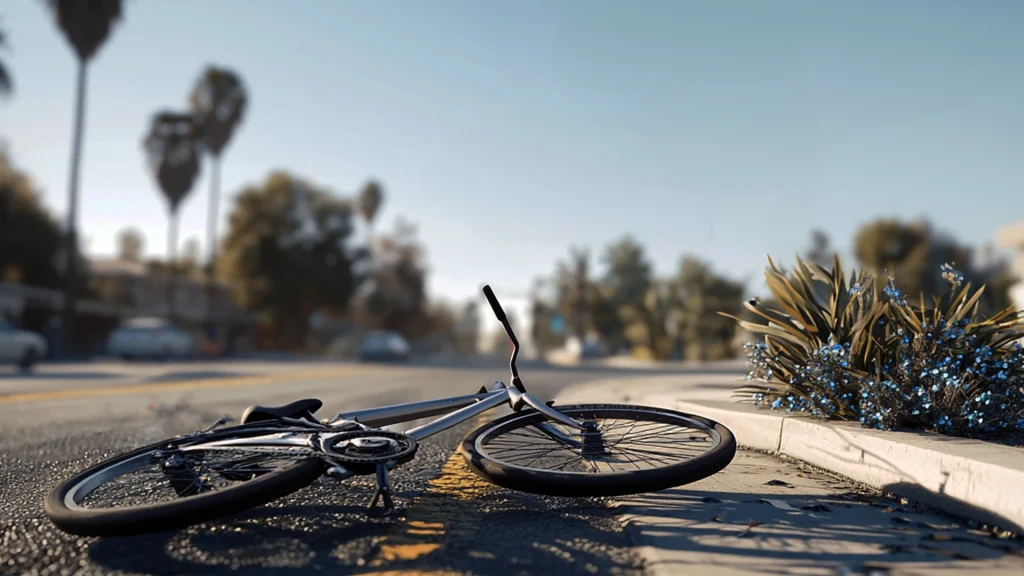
[631,439]
[189,472]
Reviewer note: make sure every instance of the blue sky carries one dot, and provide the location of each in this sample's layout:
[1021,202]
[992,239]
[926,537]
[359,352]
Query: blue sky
[509,131]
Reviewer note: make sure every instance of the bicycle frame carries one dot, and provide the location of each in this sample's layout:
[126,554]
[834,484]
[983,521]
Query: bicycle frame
[455,410]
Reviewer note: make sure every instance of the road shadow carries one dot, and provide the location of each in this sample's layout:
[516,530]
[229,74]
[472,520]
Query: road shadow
[178,375]
[15,374]
[502,532]
[772,533]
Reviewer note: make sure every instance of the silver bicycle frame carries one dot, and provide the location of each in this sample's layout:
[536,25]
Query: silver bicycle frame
[456,410]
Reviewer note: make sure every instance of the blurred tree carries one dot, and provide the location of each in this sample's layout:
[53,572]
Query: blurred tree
[394,296]
[442,317]
[218,102]
[698,294]
[575,291]
[646,323]
[190,263]
[912,253]
[629,273]
[820,252]
[628,282]
[545,317]
[605,318]
[467,329]
[86,24]
[30,239]
[370,199]
[6,83]
[172,151]
[287,254]
[130,245]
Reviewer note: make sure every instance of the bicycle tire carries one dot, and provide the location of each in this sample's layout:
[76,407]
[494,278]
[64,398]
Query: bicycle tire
[597,485]
[180,513]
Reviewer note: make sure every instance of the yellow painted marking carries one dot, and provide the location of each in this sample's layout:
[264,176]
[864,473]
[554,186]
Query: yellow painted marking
[175,385]
[392,552]
[482,554]
[421,524]
[423,532]
[434,520]
[413,572]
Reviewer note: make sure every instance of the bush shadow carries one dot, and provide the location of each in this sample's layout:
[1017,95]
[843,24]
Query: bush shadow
[848,532]
[908,486]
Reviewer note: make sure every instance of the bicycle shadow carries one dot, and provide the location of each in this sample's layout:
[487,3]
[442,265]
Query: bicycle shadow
[289,539]
[298,539]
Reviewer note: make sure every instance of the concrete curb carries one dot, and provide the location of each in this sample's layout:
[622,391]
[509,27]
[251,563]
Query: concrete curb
[970,478]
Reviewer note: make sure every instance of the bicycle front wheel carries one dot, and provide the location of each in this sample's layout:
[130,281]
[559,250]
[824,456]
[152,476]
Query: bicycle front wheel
[178,483]
[639,449]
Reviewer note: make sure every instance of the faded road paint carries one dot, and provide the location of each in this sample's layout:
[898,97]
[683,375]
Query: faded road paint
[188,384]
[441,517]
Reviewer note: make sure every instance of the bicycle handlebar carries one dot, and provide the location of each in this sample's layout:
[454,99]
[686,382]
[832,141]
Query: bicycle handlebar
[500,314]
[495,306]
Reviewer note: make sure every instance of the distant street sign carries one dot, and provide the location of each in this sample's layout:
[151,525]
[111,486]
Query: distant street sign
[557,324]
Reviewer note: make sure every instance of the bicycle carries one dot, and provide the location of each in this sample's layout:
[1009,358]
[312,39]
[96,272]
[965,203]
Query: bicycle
[275,451]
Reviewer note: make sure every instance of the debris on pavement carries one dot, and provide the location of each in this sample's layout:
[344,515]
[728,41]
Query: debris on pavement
[780,504]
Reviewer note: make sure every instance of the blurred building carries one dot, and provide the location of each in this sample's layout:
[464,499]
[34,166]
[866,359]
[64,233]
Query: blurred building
[117,290]
[1012,237]
[135,289]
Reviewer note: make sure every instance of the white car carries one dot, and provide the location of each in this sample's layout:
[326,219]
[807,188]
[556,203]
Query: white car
[20,347]
[384,346]
[150,338]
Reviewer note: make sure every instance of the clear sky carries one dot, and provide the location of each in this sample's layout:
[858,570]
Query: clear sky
[511,130]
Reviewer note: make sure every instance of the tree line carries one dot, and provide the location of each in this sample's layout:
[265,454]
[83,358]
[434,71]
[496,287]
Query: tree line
[628,308]
[290,248]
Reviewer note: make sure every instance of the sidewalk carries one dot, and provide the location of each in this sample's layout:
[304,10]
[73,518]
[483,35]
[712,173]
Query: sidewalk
[969,478]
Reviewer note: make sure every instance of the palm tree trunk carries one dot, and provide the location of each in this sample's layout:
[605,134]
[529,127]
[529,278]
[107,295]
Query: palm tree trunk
[172,255]
[71,232]
[211,233]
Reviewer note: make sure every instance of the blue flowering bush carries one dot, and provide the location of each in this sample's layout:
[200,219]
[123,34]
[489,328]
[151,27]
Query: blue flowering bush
[852,349]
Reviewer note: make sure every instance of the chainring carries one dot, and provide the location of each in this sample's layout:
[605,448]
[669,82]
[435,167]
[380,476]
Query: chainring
[363,450]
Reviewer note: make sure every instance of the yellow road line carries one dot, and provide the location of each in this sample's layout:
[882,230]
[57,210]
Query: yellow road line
[443,517]
[176,385]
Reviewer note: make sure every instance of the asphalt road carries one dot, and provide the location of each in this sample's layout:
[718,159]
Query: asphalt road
[67,417]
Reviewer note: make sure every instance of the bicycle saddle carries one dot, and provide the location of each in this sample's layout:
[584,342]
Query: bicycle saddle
[298,409]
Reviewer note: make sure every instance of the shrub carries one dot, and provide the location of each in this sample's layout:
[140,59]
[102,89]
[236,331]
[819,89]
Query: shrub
[851,350]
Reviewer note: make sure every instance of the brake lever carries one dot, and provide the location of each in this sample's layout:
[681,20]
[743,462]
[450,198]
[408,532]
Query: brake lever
[220,422]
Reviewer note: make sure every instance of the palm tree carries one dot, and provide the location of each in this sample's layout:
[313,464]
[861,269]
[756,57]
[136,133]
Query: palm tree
[218,103]
[6,84]
[370,199]
[86,24]
[173,152]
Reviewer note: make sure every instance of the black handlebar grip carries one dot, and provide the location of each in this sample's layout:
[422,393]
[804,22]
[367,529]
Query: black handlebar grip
[494,303]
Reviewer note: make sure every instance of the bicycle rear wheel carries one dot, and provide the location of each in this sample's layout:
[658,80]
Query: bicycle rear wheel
[640,449]
[179,482]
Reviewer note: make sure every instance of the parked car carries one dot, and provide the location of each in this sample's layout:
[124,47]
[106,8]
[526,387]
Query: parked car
[20,347]
[384,346]
[150,338]
[586,349]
